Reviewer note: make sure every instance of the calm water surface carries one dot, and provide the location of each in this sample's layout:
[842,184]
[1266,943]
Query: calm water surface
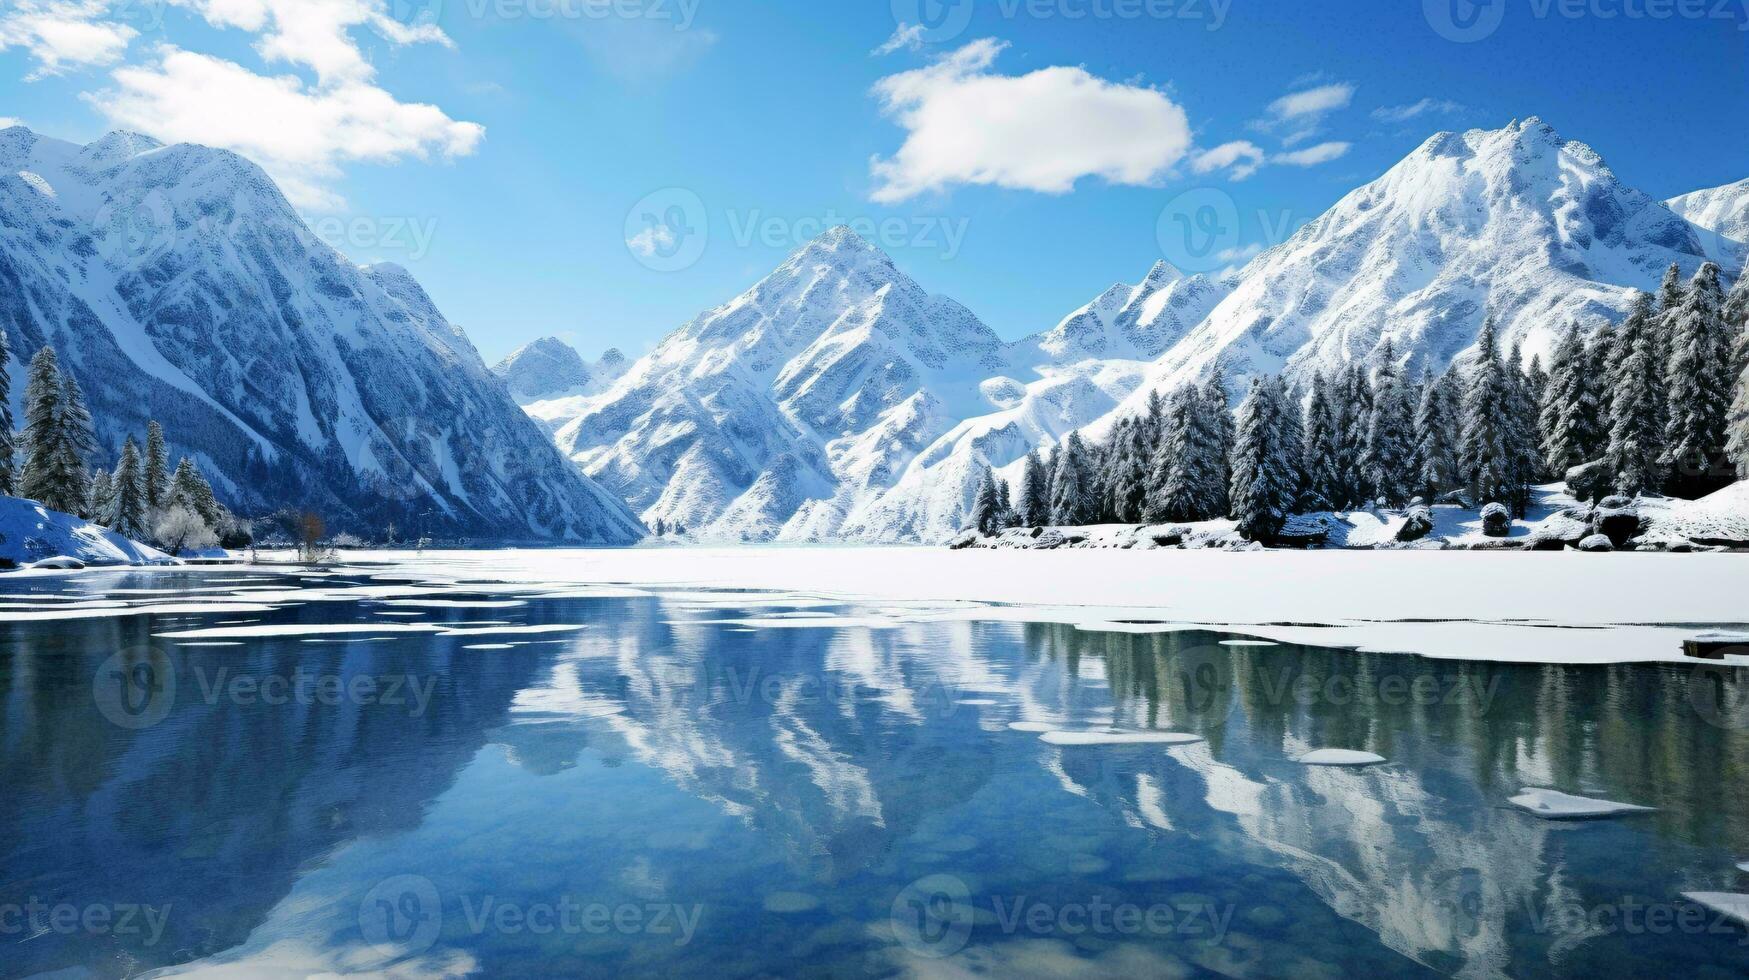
[663,793]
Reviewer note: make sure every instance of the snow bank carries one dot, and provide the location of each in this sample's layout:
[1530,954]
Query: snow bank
[1339,757]
[1555,805]
[32,535]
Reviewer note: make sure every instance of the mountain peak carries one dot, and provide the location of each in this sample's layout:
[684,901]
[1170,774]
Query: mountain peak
[543,368]
[119,145]
[1162,273]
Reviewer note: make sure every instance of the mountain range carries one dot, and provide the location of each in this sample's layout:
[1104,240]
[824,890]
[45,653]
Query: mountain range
[836,399]
[177,284]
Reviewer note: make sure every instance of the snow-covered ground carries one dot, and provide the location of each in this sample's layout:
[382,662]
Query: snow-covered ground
[31,533]
[1509,606]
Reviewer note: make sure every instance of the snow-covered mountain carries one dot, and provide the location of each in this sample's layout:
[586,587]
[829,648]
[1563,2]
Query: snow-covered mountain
[1515,223]
[835,400]
[781,412]
[1721,209]
[549,368]
[177,283]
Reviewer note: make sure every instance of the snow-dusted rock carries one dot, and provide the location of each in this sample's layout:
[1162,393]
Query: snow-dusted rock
[1555,805]
[1597,543]
[1339,757]
[177,283]
[1496,521]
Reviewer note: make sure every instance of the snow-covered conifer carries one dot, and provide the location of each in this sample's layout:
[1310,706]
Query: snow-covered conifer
[1186,466]
[7,448]
[1436,430]
[1569,418]
[53,470]
[1700,386]
[1217,401]
[1489,461]
[1129,490]
[1526,447]
[986,508]
[127,514]
[1264,480]
[157,466]
[1355,413]
[1071,498]
[189,488]
[1636,433]
[1318,452]
[1035,500]
[1390,445]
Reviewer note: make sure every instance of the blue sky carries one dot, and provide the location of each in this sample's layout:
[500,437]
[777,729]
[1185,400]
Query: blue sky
[1017,156]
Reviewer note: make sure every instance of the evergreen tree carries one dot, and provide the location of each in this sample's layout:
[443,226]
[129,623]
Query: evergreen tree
[1071,500]
[1217,402]
[1186,465]
[986,508]
[1663,330]
[1489,461]
[1570,419]
[127,514]
[77,442]
[102,495]
[1390,444]
[157,466]
[1636,433]
[1035,500]
[1006,499]
[1355,413]
[189,489]
[7,449]
[1436,431]
[1153,421]
[53,472]
[1700,386]
[1263,462]
[1527,462]
[1318,451]
[1129,494]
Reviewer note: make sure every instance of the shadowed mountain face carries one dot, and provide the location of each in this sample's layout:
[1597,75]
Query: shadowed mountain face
[178,284]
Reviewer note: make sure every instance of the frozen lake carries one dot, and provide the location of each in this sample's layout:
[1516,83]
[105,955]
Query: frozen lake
[416,773]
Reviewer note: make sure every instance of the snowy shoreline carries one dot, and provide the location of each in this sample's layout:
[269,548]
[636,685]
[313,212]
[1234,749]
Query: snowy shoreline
[1558,607]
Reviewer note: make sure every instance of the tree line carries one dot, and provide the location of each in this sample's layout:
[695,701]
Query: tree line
[140,497]
[1643,406]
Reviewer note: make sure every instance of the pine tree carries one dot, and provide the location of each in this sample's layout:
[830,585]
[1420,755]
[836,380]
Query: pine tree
[986,508]
[7,449]
[1663,331]
[157,466]
[1390,446]
[127,514]
[1355,413]
[1318,451]
[77,443]
[1129,494]
[1700,386]
[1005,498]
[1186,465]
[1035,501]
[1436,430]
[1153,420]
[1071,501]
[1527,462]
[102,494]
[1487,438]
[189,489]
[1263,463]
[53,471]
[1636,433]
[1217,402]
[1569,417]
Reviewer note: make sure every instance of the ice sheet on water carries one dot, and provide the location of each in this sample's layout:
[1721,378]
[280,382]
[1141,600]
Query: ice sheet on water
[269,630]
[1339,757]
[53,614]
[1733,905]
[457,603]
[1555,805]
[512,630]
[1109,737]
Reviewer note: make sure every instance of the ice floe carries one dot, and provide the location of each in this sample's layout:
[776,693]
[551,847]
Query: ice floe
[1339,757]
[1060,737]
[269,630]
[1734,905]
[1555,805]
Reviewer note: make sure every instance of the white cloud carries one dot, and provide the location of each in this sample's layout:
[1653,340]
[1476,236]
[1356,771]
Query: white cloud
[62,35]
[1415,110]
[651,240]
[1312,101]
[909,37]
[1297,116]
[300,134]
[1041,131]
[1242,156]
[1311,156]
[7,122]
[315,34]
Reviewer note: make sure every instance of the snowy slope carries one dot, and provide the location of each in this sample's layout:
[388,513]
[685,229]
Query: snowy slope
[1517,223]
[1138,322]
[30,532]
[1721,209]
[776,414]
[178,284]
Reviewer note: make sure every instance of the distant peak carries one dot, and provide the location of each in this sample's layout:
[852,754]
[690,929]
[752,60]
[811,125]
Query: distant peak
[1162,273]
[121,145]
[612,357]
